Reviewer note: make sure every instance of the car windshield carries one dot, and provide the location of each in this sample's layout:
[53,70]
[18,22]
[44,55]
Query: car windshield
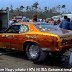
[46,27]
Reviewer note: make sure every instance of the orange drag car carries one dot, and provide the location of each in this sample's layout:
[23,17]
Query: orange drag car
[38,39]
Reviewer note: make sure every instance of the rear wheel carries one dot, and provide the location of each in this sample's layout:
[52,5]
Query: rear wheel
[35,53]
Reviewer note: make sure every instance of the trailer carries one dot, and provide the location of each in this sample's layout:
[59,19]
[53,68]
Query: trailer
[4,18]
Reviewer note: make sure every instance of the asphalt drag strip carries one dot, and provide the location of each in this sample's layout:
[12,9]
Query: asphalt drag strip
[18,60]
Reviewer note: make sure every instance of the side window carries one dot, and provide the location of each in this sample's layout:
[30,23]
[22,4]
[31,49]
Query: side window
[23,28]
[13,29]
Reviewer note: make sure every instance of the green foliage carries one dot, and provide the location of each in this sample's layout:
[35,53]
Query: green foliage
[28,11]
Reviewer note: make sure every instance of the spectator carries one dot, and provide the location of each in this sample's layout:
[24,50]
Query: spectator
[47,20]
[65,23]
[68,19]
[58,21]
[24,18]
[51,21]
[70,25]
[35,18]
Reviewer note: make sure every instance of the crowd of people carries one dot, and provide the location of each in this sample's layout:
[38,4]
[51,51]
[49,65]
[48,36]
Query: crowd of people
[51,21]
[66,23]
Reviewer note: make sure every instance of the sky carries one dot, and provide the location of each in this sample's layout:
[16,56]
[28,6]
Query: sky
[42,3]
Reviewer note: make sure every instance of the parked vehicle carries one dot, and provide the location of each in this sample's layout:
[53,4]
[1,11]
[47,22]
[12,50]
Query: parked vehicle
[37,39]
[68,15]
[56,18]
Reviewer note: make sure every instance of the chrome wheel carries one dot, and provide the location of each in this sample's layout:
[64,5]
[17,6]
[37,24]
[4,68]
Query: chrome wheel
[33,51]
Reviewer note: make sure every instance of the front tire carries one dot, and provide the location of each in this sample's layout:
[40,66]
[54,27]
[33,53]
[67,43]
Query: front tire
[35,53]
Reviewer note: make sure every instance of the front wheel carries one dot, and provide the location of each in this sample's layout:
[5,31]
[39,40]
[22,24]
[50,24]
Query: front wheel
[35,53]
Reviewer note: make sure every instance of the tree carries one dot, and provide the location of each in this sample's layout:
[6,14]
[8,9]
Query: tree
[41,13]
[45,8]
[27,8]
[21,8]
[59,7]
[64,7]
[2,8]
[35,5]
[7,8]
[54,10]
[11,8]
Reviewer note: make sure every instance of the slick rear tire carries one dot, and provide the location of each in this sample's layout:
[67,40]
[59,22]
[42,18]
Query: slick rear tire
[35,53]
[67,59]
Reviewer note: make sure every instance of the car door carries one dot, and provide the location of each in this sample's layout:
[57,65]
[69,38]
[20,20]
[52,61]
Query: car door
[18,39]
[10,35]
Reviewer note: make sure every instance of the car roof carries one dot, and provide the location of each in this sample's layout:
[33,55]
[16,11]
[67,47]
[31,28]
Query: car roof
[27,23]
